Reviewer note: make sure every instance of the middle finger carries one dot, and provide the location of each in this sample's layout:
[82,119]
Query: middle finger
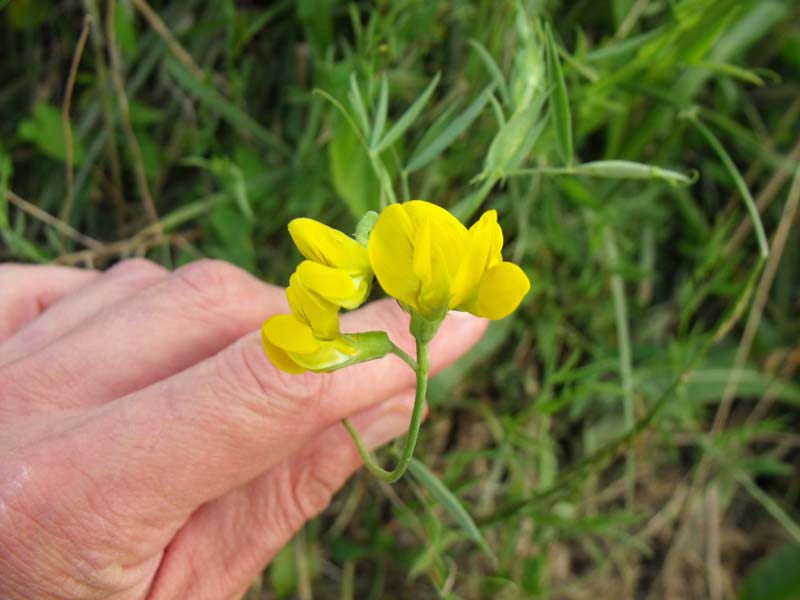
[194,313]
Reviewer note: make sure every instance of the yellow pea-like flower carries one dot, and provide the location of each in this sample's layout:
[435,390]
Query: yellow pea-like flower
[337,267]
[309,338]
[423,256]
[291,346]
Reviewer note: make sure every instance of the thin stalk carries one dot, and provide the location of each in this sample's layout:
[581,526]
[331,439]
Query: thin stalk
[398,351]
[422,367]
[69,163]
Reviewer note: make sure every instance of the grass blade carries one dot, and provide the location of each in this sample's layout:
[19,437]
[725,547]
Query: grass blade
[423,155]
[408,117]
[240,120]
[450,503]
[559,101]
[738,180]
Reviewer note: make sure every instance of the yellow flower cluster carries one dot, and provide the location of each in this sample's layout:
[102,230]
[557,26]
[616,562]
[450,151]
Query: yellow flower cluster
[421,255]
[336,274]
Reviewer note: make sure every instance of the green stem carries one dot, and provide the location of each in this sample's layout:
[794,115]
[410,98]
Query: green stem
[422,365]
[398,351]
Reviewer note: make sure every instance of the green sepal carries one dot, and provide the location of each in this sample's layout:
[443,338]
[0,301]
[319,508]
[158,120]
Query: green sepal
[364,227]
[369,345]
[424,329]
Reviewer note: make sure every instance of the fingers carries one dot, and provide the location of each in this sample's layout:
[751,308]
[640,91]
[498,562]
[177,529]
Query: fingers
[28,290]
[80,303]
[166,327]
[217,425]
[230,539]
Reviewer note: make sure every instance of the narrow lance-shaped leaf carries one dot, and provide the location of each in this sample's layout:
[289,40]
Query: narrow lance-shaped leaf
[450,503]
[493,68]
[512,137]
[380,113]
[559,100]
[426,154]
[357,101]
[408,117]
[614,169]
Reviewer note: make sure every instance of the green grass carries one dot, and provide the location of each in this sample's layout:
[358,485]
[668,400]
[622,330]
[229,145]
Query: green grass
[631,431]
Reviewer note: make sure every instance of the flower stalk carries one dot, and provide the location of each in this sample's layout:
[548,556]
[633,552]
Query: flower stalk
[370,462]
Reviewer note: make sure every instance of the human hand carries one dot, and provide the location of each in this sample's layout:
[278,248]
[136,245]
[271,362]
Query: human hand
[147,446]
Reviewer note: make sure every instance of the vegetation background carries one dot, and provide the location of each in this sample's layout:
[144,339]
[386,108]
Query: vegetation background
[631,432]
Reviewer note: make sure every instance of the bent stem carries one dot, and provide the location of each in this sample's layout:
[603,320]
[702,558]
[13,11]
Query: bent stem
[398,351]
[422,365]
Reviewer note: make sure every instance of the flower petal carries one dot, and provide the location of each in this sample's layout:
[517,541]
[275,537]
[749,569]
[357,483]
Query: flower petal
[485,241]
[501,290]
[315,312]
[391,253]
[334,285]
[288,333]
[431,270]
[447,232]
[278,356]
[328,246]
[329,356]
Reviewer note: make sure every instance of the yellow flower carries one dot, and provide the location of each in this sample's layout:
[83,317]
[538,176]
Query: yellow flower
[423,256]
[337,267]
[309,338]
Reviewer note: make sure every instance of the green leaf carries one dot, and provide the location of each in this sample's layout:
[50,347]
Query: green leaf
[514,140]
[423,155]
[125,28]
[450,503]
[235,234]
[283,572]
[380,113]
[776,577]
[408,117]
[559,101]
[45,128]
[357,102]
[351,172]
[614,169]
[493,68]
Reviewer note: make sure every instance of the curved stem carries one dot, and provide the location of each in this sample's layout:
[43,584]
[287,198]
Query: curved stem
[422,365]
[398,351]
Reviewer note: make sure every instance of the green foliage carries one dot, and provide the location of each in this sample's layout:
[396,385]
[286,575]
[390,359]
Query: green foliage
[639,155]
[776,577]
[45,129]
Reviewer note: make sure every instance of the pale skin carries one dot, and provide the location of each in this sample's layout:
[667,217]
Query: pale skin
[148,449]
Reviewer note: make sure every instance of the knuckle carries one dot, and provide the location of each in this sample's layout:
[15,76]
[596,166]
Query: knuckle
[247,369]
[310,490]
[138,268]
[211,283]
